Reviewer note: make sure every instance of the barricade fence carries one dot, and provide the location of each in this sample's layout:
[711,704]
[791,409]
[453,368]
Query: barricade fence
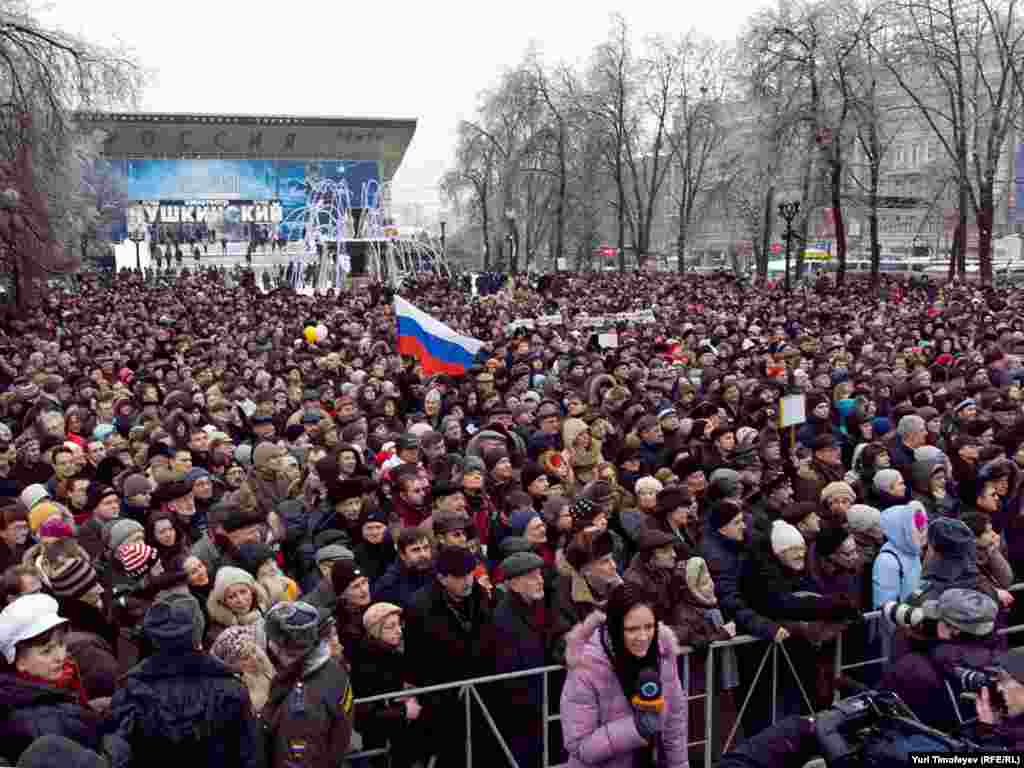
[469,694]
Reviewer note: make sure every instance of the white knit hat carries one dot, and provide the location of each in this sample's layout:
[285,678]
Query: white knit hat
[785,536]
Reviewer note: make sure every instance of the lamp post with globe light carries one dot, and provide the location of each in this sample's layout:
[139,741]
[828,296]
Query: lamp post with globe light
[789,211]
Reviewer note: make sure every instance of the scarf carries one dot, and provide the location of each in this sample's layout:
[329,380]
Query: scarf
[70,680]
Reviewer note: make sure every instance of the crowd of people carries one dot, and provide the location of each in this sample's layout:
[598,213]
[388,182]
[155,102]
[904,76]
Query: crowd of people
[217,536]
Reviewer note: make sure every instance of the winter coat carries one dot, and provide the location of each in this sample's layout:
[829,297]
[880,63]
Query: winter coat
[598,725]
[439,647]
[377,668]
[375,559]
[399,584]
[897,569]
[665,588]
[29,710]
[726,560]
[772,590]
[309,714]
[188,705]
[920,679]
[525,637]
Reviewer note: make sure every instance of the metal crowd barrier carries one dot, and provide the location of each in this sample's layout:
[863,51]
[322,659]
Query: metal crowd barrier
[468,693]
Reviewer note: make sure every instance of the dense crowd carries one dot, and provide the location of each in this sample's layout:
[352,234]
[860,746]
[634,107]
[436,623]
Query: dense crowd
[217,536]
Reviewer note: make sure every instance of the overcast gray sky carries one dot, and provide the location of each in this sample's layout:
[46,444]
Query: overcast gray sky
[393,58]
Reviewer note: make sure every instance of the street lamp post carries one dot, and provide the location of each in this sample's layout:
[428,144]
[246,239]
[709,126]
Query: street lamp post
[443,251]
[789,211]
[137,236]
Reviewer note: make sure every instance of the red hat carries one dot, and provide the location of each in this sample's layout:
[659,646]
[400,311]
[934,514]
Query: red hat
[136,558]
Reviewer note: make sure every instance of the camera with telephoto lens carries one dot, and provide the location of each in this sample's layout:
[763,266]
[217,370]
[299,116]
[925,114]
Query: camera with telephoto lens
[977,680]
[922,619]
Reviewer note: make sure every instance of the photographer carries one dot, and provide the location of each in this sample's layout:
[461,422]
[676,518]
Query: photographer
[1001,723]
[963,621]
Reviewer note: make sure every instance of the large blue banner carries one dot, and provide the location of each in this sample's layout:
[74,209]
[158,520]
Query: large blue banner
[285,180]
[232,196]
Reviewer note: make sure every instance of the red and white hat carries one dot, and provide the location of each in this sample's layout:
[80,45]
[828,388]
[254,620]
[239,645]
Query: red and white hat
[136,558]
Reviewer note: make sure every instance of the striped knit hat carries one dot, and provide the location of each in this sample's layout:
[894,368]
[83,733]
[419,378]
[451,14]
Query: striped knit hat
[73,579]
[136,558]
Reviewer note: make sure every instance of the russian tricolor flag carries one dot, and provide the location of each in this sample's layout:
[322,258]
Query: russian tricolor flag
[438,348]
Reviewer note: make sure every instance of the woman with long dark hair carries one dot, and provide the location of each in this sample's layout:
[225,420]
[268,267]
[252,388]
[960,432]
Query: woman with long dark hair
[623,705]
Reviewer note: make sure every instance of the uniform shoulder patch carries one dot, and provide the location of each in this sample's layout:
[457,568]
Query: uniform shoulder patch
[345,702]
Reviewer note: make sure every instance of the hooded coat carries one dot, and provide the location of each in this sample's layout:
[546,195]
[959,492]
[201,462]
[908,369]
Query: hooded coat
[598,726]
[897,570]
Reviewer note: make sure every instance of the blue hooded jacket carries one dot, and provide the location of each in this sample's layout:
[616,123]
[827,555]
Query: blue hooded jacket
[897,570]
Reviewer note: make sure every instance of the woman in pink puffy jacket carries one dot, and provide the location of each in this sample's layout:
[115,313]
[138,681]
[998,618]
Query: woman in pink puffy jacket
[623,704]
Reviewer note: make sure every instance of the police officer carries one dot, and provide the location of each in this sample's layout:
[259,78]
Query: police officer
[310,708]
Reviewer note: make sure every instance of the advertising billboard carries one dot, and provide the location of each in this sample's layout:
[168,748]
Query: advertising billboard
[213,179]
[229,195]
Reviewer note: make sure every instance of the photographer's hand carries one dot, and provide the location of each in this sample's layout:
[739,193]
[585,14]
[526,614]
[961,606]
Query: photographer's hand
[983,706]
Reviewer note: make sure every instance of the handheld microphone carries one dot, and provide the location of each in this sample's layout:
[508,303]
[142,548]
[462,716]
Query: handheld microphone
[648,696]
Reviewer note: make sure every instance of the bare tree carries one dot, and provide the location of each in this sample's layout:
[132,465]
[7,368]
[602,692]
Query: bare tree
[474,172]
[611,98]
[959,65]
[47,74]
[698,131]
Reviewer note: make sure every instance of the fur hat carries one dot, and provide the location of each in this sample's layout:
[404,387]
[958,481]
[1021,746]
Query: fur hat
[588,546]
[455,561]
